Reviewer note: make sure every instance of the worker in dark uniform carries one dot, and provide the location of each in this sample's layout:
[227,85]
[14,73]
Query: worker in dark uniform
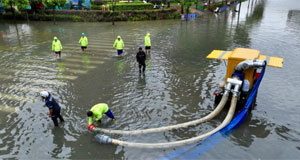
[54,108]
[141,58]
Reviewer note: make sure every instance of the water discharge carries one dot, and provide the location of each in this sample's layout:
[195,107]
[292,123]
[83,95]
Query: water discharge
[178,85]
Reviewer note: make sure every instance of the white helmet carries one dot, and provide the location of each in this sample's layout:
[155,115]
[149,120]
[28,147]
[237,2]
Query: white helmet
[44,94]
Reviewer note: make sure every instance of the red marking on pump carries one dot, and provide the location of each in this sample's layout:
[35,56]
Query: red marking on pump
[256,75]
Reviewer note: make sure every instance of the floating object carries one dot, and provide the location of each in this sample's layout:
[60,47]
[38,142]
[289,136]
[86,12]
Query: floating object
[189,16]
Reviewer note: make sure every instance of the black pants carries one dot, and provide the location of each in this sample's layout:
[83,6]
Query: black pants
[140,66]
[54,117]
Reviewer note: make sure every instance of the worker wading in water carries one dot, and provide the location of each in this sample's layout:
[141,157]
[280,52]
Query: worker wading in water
[96,112]
[119,45]
[83,42]
[147,43]
[56,47]
[140,59]
[54,108]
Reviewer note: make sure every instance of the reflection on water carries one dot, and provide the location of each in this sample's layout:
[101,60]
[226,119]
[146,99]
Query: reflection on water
[253,128]
[177,86]
[293,20]
[120,66]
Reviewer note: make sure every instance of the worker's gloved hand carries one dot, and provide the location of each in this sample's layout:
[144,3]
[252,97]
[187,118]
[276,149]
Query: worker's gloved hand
[91,127]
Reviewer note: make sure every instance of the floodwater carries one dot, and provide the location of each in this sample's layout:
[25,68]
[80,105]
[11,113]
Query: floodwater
[178,85]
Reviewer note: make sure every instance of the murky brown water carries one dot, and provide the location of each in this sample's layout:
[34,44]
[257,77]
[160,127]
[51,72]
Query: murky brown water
[177,86]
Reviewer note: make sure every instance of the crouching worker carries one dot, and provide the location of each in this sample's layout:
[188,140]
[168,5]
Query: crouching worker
[96,112]
[54,108]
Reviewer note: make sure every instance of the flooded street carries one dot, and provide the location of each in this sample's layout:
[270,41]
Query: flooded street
[177,87]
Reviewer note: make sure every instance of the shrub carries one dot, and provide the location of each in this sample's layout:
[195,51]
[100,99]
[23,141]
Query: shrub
[134,6]
[127,6]
[97,2]
[158,2]
[96,7]
[76,19]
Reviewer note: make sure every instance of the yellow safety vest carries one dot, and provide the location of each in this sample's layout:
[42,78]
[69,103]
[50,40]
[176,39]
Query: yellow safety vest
[98,110]
[83,41]
[56,46]
[119,44]
[147,41]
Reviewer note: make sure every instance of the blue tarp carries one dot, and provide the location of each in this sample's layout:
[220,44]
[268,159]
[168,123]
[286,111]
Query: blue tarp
[86,4]
[1,8]
[189,16]
[222,9]
[196,150]
[75,2]
[68,5]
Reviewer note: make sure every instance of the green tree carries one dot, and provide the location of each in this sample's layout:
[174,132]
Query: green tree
[185,5]
[196,2]
[20,4]
[114,3]
[53,3]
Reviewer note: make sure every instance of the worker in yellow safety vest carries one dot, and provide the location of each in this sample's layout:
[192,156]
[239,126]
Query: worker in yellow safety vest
[96,112]
[147,43]
[119,45]
[83,42]
[57,47]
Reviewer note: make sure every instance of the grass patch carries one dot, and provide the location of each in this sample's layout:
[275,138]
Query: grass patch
[126,6]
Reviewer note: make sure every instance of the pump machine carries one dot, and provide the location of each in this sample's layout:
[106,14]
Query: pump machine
[243,67]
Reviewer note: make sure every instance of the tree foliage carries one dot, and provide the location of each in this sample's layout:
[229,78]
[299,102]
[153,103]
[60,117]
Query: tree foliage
[34,1]
[21,4]
[186,4]
[53,3]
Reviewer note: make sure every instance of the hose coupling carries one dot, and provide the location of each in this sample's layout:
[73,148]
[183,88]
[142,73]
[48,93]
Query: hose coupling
[227,88]
[236,83]
[236,90]
[101,138]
